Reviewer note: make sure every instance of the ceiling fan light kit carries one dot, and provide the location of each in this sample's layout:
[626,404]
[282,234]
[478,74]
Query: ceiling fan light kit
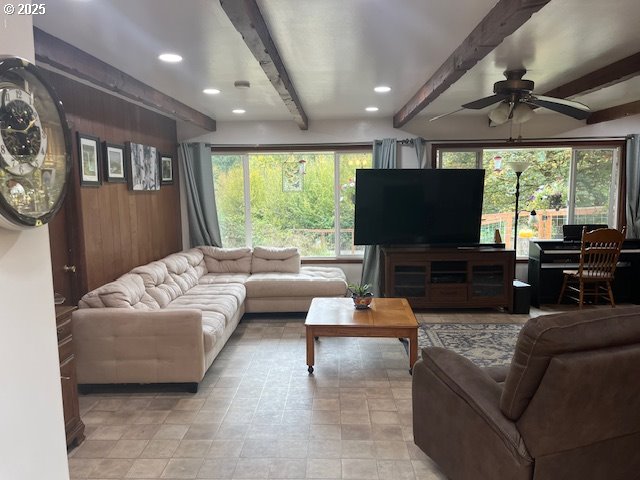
[500,114]
[521,113]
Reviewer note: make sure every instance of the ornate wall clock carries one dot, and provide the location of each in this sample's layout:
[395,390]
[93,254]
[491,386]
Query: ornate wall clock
[35,146]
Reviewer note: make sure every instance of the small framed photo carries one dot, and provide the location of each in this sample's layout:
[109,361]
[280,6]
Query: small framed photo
[89,157]
[114,170]
[166,169]
[143,166]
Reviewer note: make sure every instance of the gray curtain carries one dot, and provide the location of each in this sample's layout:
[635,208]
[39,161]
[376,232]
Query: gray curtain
[633,186]
[384,156]
[420,144]
[201,203]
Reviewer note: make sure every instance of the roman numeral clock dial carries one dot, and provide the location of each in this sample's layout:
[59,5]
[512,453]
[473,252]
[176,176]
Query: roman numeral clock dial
[35,146]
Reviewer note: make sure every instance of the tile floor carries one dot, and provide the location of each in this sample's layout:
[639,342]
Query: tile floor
[258,414]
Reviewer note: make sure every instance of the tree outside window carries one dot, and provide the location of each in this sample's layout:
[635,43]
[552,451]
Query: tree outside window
[291,198]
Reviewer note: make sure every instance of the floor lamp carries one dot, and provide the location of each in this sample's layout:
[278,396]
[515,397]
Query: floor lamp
[518,167]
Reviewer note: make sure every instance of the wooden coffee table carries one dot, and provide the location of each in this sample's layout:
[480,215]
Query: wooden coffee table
[385,317]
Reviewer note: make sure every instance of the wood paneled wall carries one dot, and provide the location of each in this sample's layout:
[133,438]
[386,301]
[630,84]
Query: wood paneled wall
[119,229]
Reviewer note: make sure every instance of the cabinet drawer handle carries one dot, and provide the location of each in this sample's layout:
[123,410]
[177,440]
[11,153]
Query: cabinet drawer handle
[60,330]
[65,378]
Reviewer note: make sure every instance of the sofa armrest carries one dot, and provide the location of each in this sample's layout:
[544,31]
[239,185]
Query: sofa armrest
[122,345]
[457,419]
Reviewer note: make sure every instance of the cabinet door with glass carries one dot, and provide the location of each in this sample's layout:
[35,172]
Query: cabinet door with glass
[408,280]
[488,282]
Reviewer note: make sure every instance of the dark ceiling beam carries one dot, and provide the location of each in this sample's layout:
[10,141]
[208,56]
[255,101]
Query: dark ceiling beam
[503,19]
[612,74]
[613,113]
[246,17]
[72,61]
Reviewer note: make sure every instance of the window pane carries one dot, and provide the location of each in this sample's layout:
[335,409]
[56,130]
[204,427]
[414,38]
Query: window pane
[292,201]
[543,188]
[228,186]
[593,186]
[458,159]
[349,162]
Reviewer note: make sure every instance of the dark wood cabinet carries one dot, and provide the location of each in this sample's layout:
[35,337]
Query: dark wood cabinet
[450,277]
[74,428]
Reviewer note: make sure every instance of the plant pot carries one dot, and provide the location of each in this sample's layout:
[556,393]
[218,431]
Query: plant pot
[362,301]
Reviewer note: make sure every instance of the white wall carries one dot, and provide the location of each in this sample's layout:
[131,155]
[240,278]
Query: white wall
[321,131]
[32,438]
[287,132]
[615,128]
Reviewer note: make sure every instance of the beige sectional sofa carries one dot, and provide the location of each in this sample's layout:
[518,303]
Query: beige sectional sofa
[166,321]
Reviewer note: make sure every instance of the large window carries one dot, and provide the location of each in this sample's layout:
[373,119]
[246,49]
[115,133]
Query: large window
[304,199]
[561,185]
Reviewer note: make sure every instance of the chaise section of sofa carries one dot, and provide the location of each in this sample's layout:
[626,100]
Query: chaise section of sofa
[165,322]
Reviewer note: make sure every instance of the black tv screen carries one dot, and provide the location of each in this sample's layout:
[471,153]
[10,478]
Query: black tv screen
[418,207]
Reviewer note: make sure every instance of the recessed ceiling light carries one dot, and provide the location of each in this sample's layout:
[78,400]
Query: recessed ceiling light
[372,109]
[239,111]
[170,57]
[382,89]
[211,91]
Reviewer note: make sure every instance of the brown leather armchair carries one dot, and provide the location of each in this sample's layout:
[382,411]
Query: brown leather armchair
[568,406]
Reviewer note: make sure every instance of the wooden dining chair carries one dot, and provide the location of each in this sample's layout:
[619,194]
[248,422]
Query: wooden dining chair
[598,260]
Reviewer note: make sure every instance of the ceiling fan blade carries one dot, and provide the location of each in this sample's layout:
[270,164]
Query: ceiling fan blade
[445,114]
[573,109]
[485,102]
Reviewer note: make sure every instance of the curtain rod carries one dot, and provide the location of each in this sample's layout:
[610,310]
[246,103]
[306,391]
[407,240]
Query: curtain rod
[524,140]
[405,141]
[292,146]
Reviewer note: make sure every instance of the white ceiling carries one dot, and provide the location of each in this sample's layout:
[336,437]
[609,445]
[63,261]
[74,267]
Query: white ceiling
[336,51]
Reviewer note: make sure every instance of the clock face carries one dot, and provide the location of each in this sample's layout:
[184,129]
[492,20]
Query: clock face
[35,146]
[23,143]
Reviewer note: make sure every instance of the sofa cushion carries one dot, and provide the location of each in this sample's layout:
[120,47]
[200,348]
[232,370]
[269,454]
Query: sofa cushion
[225,305]
[158,283]
[126,292]
[196,260]
[272,259]
[181,271]
[213,324]
[223,278]
[309,282]
[236,290]
[227,260]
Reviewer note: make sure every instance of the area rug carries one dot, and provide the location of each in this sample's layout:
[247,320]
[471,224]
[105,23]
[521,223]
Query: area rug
[486,344]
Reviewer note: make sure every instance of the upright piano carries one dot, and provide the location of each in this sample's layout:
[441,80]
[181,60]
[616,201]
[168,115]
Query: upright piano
[548,258]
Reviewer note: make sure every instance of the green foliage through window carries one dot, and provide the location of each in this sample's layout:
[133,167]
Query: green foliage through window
[292,200]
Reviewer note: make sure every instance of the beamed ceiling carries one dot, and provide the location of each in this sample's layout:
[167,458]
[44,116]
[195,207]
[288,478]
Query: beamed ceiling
[319,60]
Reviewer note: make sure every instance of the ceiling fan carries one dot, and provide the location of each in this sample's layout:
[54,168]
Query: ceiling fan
[515,98]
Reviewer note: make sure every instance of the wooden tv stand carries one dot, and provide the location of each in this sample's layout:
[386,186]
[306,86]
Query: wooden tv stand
[450,277]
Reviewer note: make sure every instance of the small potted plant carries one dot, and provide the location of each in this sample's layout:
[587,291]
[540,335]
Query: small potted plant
[361,294]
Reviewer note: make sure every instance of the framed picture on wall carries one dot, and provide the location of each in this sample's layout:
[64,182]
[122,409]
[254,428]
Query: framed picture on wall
[166,169]
[89,157]
[143,169]
[114,168]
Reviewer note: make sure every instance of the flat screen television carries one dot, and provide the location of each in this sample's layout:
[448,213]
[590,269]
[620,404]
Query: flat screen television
[418,207]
